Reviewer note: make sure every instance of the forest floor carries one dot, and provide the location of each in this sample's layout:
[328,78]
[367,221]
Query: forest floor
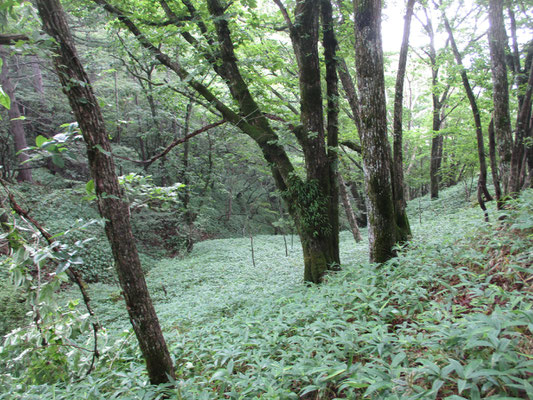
[450,318]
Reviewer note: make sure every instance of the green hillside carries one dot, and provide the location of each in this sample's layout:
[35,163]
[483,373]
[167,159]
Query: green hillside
[450,317]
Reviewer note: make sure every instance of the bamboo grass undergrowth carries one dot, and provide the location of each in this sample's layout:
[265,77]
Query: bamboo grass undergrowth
[449,318]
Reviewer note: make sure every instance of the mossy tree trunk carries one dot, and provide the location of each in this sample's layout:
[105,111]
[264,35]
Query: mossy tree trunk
[314,203]
[382,227]
[500,91]
[318,187]
[77,87]
[398,184]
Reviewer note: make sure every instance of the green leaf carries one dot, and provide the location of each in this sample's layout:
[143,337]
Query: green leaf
[398,358]
[21,118]
[334,374]
[4,99]
[58,160]
[89,187]
[101,149]
[219,374]
[376,386]
[40,140]
[461,385]
[62,267]
[437,384]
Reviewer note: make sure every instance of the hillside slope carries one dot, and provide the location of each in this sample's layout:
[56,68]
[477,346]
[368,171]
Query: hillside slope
[450,317]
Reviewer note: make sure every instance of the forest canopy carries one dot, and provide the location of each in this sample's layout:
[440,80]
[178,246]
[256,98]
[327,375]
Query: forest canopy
[134,133]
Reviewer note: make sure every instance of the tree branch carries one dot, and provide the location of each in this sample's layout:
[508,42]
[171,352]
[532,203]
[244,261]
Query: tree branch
[147,163]
[10,39]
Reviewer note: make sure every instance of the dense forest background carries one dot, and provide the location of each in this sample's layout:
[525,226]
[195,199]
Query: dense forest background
[218,149]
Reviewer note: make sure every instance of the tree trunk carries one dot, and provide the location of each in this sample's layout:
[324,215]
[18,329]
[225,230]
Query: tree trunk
[500,91]
[438,104]
[494,165]
[523,130]
[398,184]
[320,240]
[349,210]
[376,150]
[15,123]
[475,112]
[76,86]
[435,163]
[360,203]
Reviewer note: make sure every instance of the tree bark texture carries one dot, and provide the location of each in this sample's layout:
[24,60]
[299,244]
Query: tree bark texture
[332,141]
[15,123]
[398,185]
[375,145]
[494,165]
[76,86]
[500,91]
[524,129]
[349,210]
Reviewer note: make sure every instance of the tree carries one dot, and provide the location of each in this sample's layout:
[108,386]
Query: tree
[77,87]
[438,103]
[500,91]
[349,210]
[398,185]
[312,200]
[15,122]
[382,227]
[483,192]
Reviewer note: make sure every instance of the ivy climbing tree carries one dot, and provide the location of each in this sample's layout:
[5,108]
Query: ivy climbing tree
[312,200]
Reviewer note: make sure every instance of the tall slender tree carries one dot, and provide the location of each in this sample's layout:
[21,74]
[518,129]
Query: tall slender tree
[398,185]
[77,87]
[438,99]
[483,192]
[382,227]
[500,92]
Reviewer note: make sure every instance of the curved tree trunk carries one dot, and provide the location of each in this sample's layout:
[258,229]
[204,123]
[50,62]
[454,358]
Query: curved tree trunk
[475,113]
[376,149]
[438,104]
[319,235]
[76,86]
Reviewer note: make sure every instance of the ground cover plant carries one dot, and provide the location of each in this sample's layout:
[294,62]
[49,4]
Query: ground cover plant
[449,318]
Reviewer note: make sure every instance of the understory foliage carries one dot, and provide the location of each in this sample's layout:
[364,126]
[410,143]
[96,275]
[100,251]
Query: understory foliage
[449,318]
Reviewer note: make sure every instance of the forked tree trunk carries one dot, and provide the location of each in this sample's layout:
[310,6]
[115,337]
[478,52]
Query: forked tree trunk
[524,129]
[76,86]
[15,124]
[500,91]
[376,149]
